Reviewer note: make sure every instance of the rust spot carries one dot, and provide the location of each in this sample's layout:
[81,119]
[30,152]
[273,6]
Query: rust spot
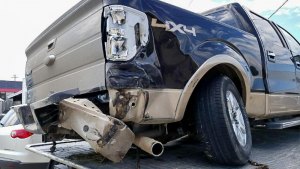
[106,138]
[122,104]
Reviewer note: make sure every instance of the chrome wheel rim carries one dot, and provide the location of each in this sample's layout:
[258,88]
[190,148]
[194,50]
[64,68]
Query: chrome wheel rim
[236,118]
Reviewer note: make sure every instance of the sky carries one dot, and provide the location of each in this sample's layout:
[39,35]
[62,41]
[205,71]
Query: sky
[288,16]
[23,20]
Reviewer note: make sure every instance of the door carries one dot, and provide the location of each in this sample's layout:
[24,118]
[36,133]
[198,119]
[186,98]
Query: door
[295,50]
[280,69]
[281,76]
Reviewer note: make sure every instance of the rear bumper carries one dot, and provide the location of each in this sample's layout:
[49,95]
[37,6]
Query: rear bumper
[14,164]
[150,107]
[32,116]
[27,117]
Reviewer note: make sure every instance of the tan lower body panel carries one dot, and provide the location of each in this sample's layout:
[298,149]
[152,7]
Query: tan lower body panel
[257,105]
[144,106]
[263,106]
[280,105]
[159,106]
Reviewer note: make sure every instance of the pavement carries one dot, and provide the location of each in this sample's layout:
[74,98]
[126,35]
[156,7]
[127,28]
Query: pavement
[274,149]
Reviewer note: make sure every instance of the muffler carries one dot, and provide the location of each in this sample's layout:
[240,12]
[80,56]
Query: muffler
[107,135]
[149,145]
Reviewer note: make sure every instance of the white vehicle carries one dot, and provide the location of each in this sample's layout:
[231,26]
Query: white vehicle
[13,139]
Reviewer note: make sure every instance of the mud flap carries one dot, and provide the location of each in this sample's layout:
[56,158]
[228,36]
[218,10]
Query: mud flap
[106,135]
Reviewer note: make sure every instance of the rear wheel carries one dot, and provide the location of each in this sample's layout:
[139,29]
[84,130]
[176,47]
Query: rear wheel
[221,121]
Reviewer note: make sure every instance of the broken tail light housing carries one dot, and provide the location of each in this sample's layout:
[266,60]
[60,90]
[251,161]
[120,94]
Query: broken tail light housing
[21,133]
[127,30]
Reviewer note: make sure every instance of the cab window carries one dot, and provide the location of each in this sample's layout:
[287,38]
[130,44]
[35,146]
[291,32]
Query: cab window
[293,43]
[267,33]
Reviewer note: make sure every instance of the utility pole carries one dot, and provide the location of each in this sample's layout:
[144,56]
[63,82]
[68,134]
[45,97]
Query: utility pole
[15,77]
[191,3]
[278,8]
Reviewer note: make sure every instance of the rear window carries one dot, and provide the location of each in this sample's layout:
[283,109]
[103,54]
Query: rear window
[268,35]
[293,43]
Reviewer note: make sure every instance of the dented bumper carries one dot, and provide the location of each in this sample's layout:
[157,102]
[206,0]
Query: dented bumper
[38,116]
[105,134]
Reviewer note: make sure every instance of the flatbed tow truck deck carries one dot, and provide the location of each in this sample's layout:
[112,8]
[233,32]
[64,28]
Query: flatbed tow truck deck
[274,149]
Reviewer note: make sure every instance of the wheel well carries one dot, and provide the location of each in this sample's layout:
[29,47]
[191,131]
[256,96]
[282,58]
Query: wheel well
[227,70]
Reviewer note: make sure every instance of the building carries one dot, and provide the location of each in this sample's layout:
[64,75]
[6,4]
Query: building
[9,87]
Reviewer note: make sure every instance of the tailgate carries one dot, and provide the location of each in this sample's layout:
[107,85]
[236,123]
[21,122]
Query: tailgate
[68,55]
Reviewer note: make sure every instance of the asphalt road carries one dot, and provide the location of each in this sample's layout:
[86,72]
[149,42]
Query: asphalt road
[276,149]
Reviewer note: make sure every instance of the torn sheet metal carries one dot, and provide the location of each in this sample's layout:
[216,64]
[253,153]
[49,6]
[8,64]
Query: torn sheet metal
[144,106]
[128,105]
[133,74]
[132,42]
[106,135]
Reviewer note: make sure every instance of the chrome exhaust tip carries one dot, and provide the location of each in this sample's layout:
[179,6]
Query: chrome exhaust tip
[149,145]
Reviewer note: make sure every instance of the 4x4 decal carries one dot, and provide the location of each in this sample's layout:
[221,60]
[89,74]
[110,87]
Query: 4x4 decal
[173,27]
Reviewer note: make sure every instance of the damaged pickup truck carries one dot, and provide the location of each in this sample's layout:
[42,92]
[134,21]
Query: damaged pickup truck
[144,72]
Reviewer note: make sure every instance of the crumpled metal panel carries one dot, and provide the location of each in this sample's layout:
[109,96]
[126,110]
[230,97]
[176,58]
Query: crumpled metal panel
[128,105]
[178,44]
[105,134]
[141,72]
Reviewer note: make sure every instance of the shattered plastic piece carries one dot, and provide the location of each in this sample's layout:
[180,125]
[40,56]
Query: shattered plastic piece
[120,44]
[118,15]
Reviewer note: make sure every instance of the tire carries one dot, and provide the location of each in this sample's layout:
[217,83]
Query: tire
[221,130]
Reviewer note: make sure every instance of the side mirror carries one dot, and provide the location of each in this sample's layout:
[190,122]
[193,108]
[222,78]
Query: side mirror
[297,56]
[296,60]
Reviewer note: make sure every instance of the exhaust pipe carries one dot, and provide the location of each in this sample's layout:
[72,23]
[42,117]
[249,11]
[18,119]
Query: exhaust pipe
[149,145]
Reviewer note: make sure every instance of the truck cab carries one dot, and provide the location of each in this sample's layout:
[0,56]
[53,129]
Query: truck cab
[279,53]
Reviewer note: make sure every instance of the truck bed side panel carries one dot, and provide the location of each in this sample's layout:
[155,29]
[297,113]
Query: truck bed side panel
[180,52]
[75,41]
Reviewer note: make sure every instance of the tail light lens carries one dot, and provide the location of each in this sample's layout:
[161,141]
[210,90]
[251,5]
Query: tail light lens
[21,133]
[127,30]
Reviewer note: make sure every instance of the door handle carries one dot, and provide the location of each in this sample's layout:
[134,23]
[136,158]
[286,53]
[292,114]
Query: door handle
[271,56]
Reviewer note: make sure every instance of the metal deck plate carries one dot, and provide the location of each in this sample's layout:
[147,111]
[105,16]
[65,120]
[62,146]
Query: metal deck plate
[276,148]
